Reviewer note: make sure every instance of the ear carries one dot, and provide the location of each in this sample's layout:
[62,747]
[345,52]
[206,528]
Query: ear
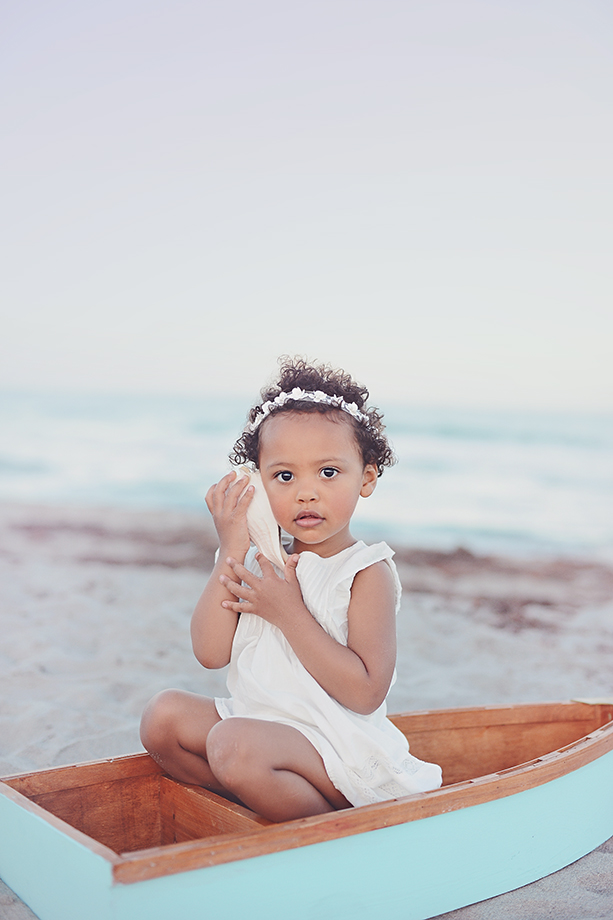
[369,480]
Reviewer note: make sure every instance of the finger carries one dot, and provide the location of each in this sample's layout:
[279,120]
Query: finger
[231,478]
[290,567]
[209,498]
[235,481]
[265,564]
[216,494]
[237,606]
[238,494]
[234,587]
[245,497]
[241,572]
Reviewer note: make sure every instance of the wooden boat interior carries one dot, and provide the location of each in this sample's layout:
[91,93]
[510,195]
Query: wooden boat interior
[136,816]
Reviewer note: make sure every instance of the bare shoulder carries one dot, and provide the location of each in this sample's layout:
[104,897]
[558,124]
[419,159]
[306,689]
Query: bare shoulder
[371,619]
[377,578]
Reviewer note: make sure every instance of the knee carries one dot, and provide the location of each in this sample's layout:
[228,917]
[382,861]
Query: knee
[229,753]
[159,719]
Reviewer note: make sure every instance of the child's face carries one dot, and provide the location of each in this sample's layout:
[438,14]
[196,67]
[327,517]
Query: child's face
[313,473]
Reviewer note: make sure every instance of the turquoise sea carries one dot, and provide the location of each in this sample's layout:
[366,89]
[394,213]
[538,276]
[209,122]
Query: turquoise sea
[491,481]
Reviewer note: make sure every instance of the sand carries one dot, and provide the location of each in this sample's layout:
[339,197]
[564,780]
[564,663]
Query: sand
[95,607]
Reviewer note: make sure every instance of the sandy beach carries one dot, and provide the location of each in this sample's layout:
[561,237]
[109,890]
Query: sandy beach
[95,607]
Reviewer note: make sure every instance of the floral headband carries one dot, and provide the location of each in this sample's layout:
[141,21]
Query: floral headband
[314,396]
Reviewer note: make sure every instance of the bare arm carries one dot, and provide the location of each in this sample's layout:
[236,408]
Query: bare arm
[213,626]
[357,675]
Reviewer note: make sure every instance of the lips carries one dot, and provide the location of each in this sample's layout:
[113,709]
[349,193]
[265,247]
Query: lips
[308,518]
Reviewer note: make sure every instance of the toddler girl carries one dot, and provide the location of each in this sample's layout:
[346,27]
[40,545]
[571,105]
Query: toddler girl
[312,647]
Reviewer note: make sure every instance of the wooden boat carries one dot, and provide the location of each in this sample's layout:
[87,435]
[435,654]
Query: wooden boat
[527,790]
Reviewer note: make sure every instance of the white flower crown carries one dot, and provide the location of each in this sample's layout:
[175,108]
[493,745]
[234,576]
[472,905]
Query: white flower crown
[314,396]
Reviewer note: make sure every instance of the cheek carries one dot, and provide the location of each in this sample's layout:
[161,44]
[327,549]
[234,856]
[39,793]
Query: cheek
[277,503]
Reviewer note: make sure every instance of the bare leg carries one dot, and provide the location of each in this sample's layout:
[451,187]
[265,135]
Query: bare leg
[174,729]
[272,768]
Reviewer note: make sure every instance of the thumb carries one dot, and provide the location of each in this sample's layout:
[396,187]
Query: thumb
[290,567]
[268,568]
[263,561]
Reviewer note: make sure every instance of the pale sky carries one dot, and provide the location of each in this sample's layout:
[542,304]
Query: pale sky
[420,192]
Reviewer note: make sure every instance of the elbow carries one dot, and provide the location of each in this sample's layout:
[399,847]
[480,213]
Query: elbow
[369,701]
[368,708]
[211,654]
[211,661]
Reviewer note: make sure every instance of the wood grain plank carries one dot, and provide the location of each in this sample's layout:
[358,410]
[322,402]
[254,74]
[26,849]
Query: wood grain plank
[67,829]
[85,774]
[474,716]
[190,813]
[217,850]
[474,742]
[122,815]
[125,805]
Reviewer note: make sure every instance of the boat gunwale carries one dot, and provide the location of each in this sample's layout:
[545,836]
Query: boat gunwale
[153,862]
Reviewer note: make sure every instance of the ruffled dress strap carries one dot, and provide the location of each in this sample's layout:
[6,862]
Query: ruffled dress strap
[326,583]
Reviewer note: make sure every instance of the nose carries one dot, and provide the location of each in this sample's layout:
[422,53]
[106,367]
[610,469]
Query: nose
[307,490]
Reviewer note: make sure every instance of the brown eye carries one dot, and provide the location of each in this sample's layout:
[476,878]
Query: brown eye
[329,472]
[284,476]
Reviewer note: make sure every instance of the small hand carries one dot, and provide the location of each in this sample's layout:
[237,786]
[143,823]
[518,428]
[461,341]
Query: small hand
[228,500]
[270,597]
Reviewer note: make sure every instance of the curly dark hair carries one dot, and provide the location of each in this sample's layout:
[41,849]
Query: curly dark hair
[298,372]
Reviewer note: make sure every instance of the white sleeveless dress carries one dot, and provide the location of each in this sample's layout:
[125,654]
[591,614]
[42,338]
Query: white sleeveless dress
[366,757]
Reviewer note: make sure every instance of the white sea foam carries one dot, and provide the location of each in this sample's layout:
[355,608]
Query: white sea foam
[525,482]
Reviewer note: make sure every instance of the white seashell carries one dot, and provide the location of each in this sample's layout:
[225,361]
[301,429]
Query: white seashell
[263,529]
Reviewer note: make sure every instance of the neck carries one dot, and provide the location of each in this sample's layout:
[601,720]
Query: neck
[331,547]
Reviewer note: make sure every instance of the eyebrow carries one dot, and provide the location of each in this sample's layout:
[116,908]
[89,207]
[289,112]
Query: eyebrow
[327,461]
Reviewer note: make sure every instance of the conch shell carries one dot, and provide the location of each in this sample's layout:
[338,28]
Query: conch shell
[263,529]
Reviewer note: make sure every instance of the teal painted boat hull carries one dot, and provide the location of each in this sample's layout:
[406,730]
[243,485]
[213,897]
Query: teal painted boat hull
[410,871]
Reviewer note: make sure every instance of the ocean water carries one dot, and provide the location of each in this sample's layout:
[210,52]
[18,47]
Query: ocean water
[523,483]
